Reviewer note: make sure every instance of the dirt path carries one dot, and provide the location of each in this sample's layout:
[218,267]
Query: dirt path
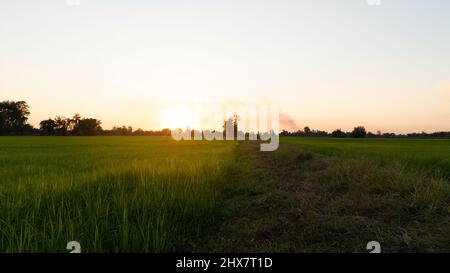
[293,200]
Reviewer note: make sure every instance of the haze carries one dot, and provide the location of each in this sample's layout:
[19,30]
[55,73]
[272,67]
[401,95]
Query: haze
[328,64]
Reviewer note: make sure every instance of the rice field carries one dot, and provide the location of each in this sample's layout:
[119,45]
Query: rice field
[426,155]
[154,194]
[111,194]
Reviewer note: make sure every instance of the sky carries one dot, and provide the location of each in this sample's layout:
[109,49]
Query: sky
[327,63]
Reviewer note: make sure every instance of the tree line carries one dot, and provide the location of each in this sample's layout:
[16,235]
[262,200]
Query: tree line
[14,121]
[361,132]
[358,132]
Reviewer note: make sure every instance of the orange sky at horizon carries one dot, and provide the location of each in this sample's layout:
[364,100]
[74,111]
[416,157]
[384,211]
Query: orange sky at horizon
[327,64]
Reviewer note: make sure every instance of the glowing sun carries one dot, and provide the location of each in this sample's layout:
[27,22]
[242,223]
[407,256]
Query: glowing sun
[176,117]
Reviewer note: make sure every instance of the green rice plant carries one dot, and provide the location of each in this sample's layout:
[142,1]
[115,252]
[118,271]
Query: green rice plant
[111,194]
[427,155]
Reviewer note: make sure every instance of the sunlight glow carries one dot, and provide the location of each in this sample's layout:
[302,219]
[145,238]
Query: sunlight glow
[177,117]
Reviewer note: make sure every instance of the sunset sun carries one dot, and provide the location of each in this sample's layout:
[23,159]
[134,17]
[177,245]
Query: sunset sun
[177,117]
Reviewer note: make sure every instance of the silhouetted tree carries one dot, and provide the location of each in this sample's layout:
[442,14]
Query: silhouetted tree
[338,133]
[285,133]
[57,126]
[121,131]
[61,125]
[88,127]
[307,131]
[359,132]
[13,117]
[139,132]
[73,123]
[48,126]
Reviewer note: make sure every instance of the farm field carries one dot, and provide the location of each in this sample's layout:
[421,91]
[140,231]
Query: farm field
[153,194]
[112,194]
[428,155]
[313,195]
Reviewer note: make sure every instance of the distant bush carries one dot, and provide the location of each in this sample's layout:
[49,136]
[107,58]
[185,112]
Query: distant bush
[359,132]
[338,133]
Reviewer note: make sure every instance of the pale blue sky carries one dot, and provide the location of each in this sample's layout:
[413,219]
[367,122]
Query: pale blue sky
[328,63]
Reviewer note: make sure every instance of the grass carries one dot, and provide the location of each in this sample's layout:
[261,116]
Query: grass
[114,194]
[294,200]
[153,194]
[426,155]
